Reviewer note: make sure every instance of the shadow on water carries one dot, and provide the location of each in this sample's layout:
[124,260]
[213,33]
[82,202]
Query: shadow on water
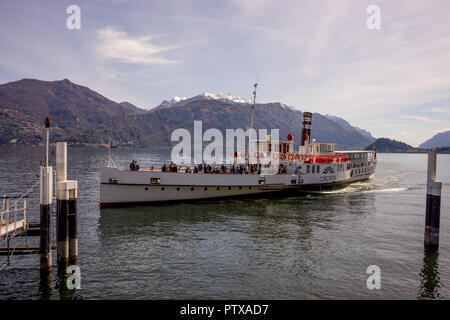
[429,275]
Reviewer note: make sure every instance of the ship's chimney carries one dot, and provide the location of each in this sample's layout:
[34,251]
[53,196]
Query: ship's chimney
[306,130]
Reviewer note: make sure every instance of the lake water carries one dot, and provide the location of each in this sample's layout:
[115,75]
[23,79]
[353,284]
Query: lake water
[315,246]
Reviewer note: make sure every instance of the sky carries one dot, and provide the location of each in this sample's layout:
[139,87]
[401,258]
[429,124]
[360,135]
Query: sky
[314,55]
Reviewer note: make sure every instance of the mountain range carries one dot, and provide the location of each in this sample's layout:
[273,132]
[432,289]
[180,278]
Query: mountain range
[439,140]
[82,116]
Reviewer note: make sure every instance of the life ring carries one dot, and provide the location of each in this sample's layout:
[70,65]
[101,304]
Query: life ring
[296,157]
[283,156]
[290,156]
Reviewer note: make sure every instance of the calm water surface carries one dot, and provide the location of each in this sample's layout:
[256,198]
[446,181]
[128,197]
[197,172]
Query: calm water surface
[315,246]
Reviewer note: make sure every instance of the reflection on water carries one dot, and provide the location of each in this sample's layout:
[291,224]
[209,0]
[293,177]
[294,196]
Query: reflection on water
[275,209]
[430,279]
[45,286]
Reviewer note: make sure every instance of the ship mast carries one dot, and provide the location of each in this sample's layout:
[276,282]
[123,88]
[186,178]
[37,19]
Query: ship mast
[253,105]
[251,121]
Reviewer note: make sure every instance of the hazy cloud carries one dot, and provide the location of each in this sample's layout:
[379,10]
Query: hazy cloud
[119,46]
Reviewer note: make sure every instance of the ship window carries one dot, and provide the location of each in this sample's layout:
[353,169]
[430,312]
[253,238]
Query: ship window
[307,169]
[162,189]
[206,188]
[293,181]
[178,189]
[240,187]
[249,187]
[313,169]
[155,181]
[318,169]
[229,188]
[192,189]
[218,188]
[261,182]
[146,188]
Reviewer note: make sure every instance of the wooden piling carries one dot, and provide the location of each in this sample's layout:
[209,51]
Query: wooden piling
[73,229]
[62,195]
[46,193]
[433,204]
[46,199]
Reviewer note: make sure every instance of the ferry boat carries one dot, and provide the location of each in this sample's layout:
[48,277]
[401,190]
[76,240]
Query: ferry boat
[313,166]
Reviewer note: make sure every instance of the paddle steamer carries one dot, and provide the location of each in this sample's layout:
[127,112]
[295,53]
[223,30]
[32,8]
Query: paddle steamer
[313,166]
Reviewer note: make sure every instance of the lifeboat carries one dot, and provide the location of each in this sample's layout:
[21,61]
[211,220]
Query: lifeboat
[324,160]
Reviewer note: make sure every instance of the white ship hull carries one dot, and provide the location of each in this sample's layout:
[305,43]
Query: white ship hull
[124,187]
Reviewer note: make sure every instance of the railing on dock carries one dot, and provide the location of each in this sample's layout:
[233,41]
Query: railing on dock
[13,217]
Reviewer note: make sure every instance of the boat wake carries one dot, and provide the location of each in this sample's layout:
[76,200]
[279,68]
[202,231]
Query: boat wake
[358,189]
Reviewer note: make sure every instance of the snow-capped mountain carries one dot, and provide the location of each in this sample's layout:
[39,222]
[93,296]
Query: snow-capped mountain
[222,96]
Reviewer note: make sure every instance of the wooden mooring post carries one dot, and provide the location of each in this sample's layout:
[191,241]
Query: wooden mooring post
[62,207]
[433,204]
[46,195]
[66,226]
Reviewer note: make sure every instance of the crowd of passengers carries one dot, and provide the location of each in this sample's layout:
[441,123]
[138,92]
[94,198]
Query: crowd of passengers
[234,169]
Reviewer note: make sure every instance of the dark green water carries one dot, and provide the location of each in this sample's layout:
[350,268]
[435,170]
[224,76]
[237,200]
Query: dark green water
[315,246]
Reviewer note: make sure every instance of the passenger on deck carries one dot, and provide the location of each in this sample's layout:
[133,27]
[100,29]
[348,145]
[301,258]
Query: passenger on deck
[164,167]
[134,166]
[223,169]
[200,167]
[195,169]
[173,167]
[188,170]
[233,169]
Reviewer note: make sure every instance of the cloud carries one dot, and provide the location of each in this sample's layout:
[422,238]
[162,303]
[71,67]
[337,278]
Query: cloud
[119,46]
[419,118]
[440,110]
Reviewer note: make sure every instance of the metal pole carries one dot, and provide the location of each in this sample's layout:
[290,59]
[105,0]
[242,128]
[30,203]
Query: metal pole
[433,204]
